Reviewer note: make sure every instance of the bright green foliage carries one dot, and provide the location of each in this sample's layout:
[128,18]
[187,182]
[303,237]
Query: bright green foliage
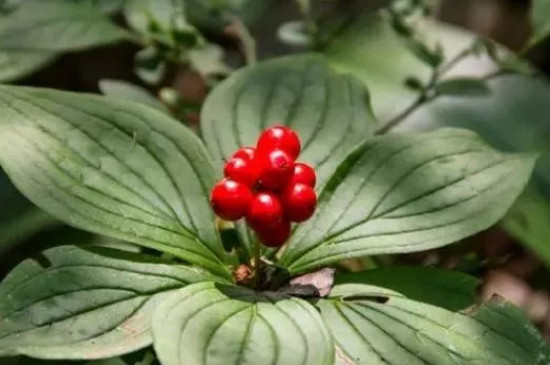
[213,324]
[405,193]
[74,303]
[375,326]
[112,167]
[451,290]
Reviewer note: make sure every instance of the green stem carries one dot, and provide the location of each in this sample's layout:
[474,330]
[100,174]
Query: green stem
[248,42]
[257,268]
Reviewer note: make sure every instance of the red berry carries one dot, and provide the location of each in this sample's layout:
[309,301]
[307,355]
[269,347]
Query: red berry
[230,200]
[247,153]
[303,174]
[279,137]
[276,169]
[265,211]
[299,201]
[242,170]
[275,236]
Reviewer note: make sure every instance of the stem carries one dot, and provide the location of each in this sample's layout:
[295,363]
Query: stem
[257,264]
[247,40]
[427,94]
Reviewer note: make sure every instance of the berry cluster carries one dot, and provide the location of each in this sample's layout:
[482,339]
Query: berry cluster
[266,185]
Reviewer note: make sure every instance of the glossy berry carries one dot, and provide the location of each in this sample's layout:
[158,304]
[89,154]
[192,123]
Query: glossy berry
[299,201]
[265,211]
[279,137]
[303,174]
[242,170]
[230,200]
[276,169]
[275,236]
[247,153]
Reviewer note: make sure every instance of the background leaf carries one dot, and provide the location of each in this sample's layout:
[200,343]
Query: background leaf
[112,167]
[451,290]
[212,324]
[15,64]
[540,20]
[406,193]
[127,91]
[463,86]
[74,303]
[373,326]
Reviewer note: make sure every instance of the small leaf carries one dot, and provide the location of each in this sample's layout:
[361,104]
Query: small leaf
[57,25]
[112,167]
[444,288]
[371,326]
[150,66]
[330,112]
[74,303]
[431,57]
[15,64]
[406,193]
[294,33]
[463,86]
[540,20]
[127,91]
[211,324]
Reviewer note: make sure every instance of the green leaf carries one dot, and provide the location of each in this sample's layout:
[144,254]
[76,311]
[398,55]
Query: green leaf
[406,193]
[463,86]
[15,64]
[112,361]
[57,25]
[74,303]
[330,112]
[127,91]
[294,33]
[216,13]
[451,290]
[113,168]
[211,324]
[540,21]
[374,326]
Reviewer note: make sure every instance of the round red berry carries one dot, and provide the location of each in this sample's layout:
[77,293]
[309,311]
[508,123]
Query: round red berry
[303,174]
[279,137]
[276,168]
[247,153]
[242,170]
[265,211]
[275,236]
[299,201]
[230,200]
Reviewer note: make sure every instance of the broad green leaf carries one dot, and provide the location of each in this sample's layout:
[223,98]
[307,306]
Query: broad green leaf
[463,86]
[15,64]
[211,324]
[330,112]
[540,20]
[127,91]
[57,25]
[372,326]
[74,303]
[113,168]
[451,290]
[408,192]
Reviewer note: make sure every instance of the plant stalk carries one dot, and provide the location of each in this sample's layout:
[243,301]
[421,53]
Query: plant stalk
[257,267]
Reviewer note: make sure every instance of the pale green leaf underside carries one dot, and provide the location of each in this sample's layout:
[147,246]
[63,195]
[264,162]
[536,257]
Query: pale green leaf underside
[409,192]
[374,327]
[16,64]
[330,112]
[210,324]
[451,290]
[74,303]
[111,167]
[57,25]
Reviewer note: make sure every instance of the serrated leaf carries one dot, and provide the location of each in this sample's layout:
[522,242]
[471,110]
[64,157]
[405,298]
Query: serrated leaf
[463,86]
[451,290]
[15,64]
[375,327]
[540,21]
[112,167]
[57,25]
[406,193]
[330,112]
[127,91]
[212,324]
[74,303]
